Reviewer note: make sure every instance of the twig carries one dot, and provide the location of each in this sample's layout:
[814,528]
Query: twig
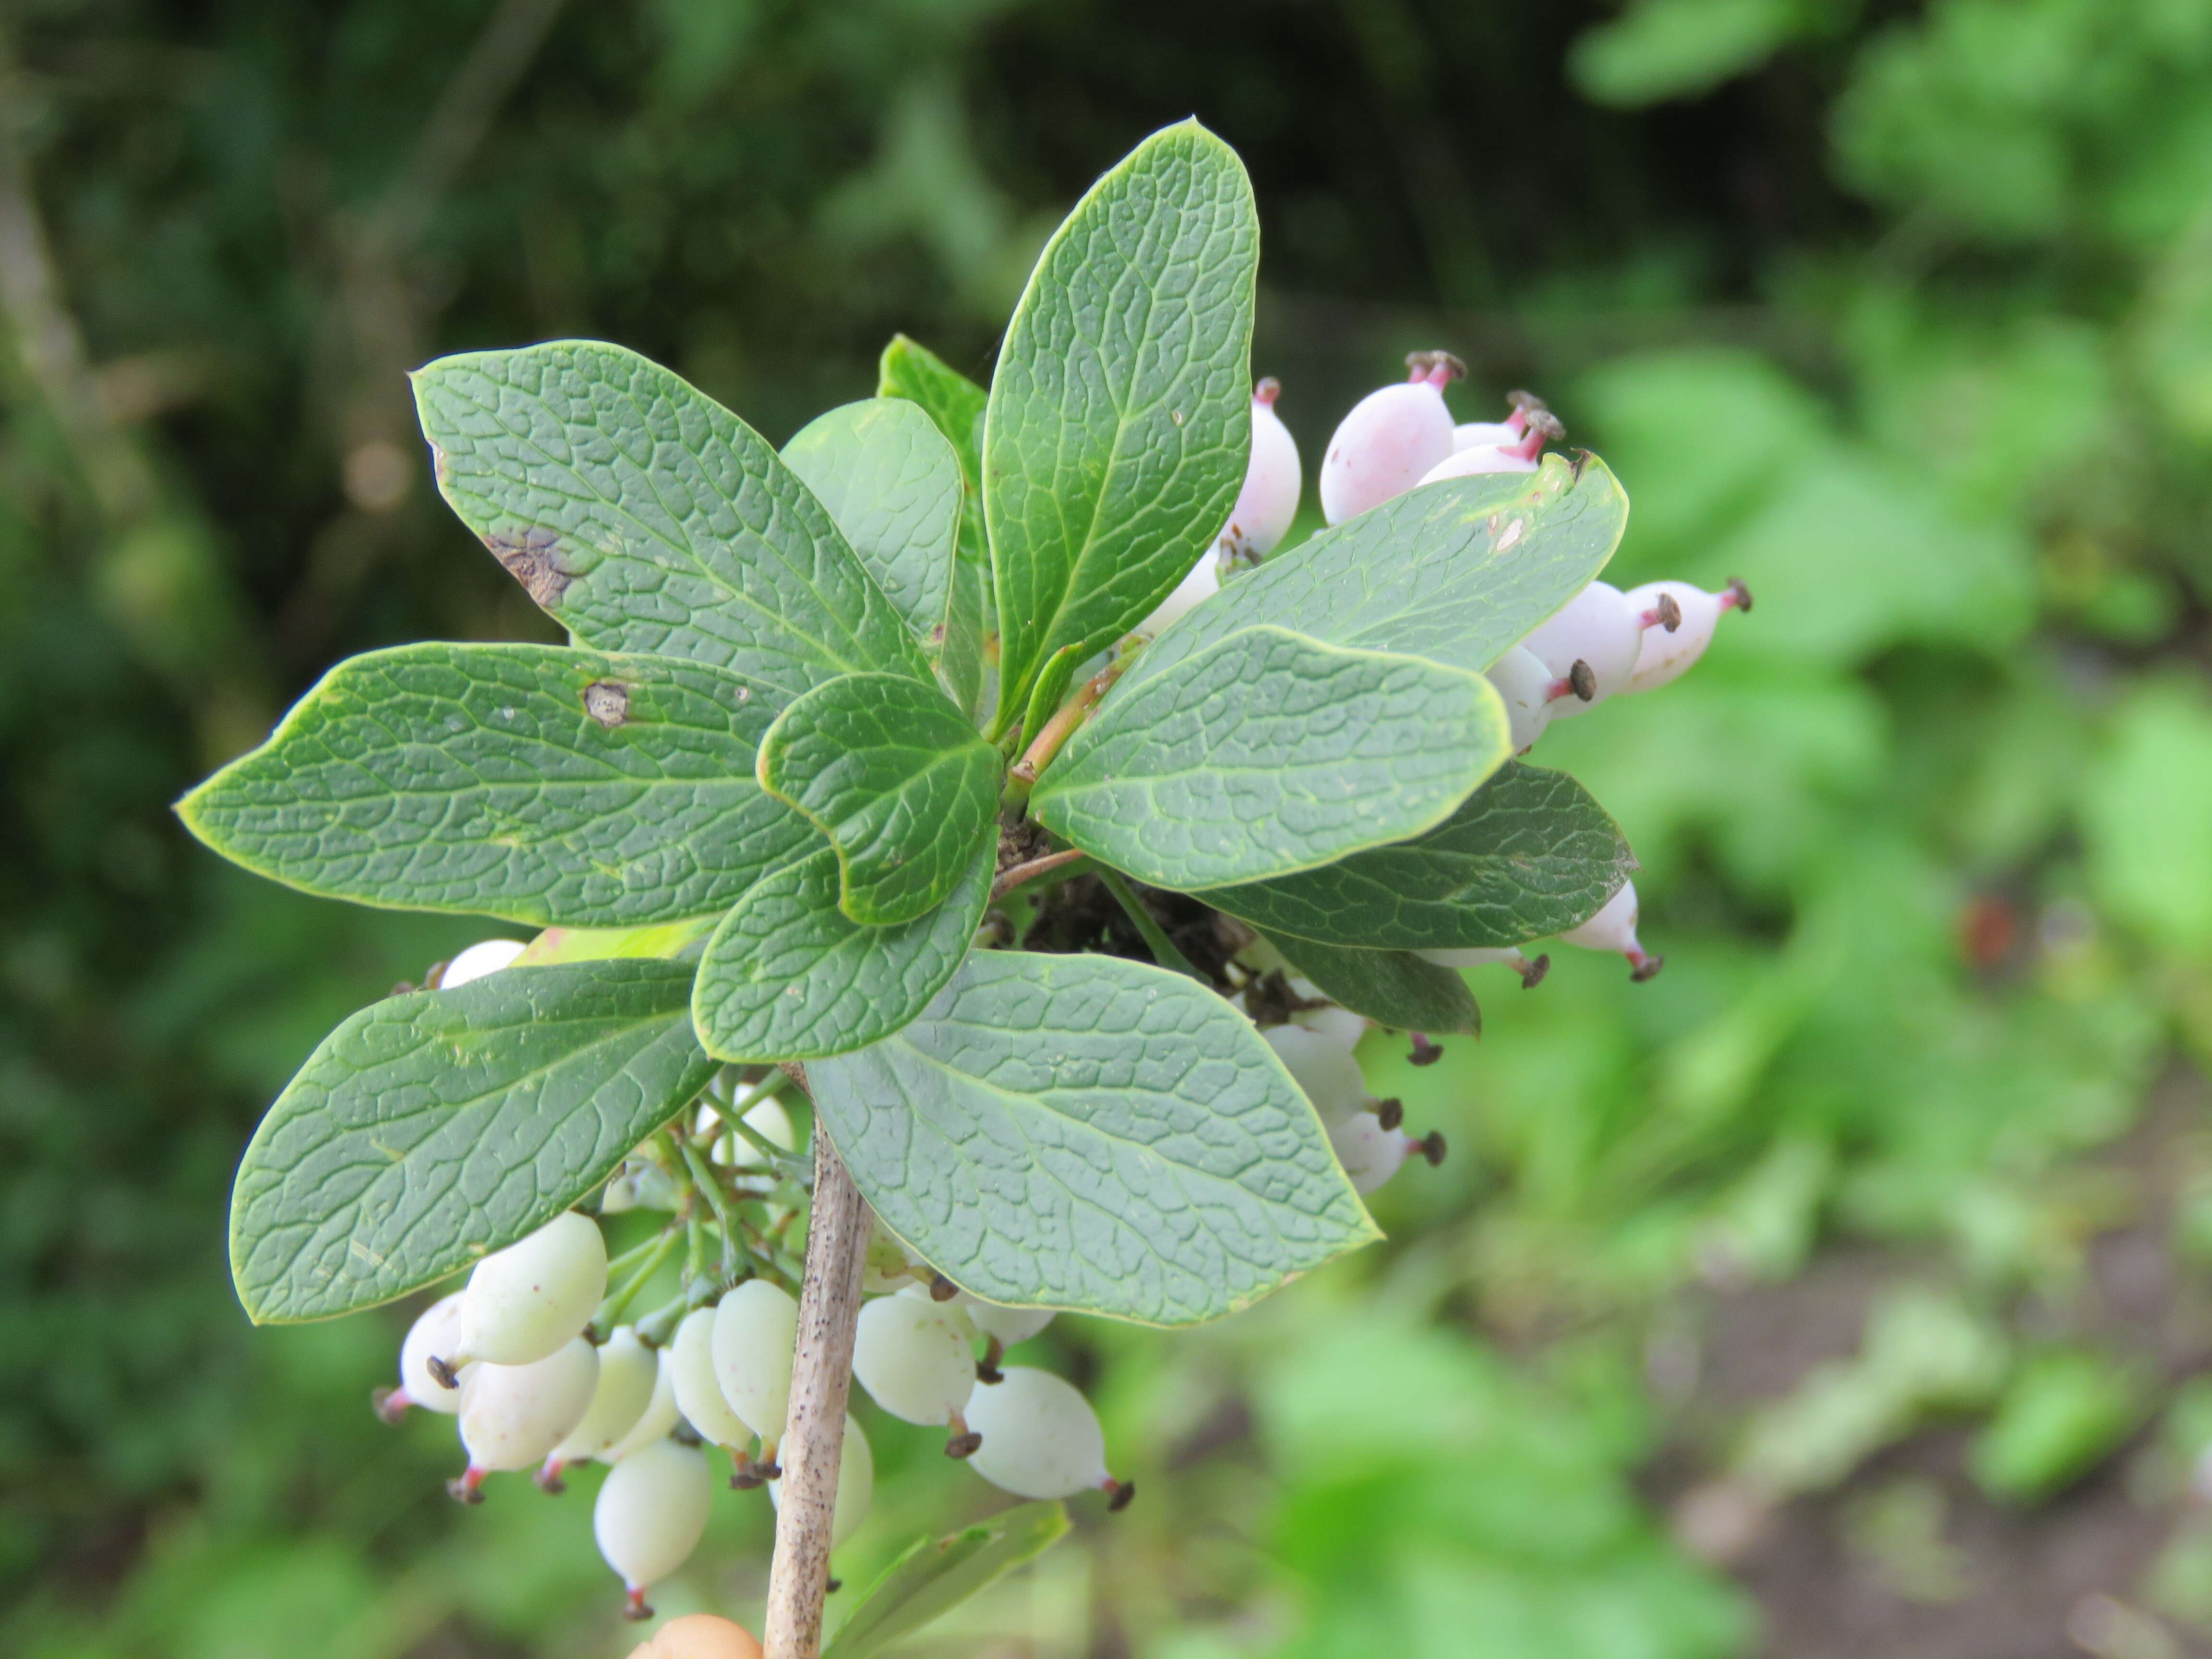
[814,1433]
[1162,948]
[656,1250]
[1061,726]
[729,1117]
[1014,875]
[703,1177]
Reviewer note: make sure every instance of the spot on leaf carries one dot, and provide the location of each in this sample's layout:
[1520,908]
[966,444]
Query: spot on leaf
[531,559]
[607,702]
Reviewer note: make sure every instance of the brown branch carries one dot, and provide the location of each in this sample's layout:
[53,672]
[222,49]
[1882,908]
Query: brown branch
[1062,726]
[1014,875]
[814,1433]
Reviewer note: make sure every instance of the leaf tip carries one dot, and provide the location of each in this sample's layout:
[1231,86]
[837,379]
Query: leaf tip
[190,809]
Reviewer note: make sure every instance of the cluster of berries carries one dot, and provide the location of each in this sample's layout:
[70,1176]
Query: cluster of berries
[526,1358]
[1368,1134]
[1602,643]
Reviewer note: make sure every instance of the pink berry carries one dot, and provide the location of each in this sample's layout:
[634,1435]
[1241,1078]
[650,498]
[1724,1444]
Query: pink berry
[1678,621]
[1273,480]
[1511,445]
[1589,645]
[1613,928]
[1483,434]
[1389,441]
[1259,521]
[1483,458]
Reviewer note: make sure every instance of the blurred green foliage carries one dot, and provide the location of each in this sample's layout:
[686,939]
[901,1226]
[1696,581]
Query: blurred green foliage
[1902,314]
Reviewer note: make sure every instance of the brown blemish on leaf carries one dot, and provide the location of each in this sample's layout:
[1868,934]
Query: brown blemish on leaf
[532,557]
[607,702]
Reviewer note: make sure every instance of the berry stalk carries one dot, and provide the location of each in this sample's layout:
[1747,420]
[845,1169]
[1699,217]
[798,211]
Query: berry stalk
[821,1378]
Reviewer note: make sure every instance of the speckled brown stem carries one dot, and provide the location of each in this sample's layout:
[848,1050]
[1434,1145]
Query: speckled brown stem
[821,1378]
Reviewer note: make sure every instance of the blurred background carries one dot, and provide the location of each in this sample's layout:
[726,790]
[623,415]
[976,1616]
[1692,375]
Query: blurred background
[1848,1289]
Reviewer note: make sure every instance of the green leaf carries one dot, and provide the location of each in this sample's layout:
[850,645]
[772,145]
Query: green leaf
[927,1579]
[1119,414]
[1528,855]
[892,483]
[954,405]
[1457,572]
[1394,987]
[524,782]
[647,517]
[788,976]
[1050,688]
[953,402]
[1086,1132]
[434,1127]
[905,789]
[1268,753]
[668,940]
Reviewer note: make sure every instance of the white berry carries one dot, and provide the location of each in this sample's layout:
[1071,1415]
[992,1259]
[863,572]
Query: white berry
[1613,929]
[1003,1325]
[1666,653]
[436,1333]
[1384,446]
[651,1513]
[660,1416]
[1203,582]
[755,1332]
[1273,479]
[628,1371]
[640,1184]
[523,1302]
[890,1265]
[1321,1067]
[1370,1154]
[1040,1438]
[1595,628]
[488,956]
[856,1485]
[1338,1025]
[513,1415]
[698,1393]
[1525,686]
[914,1358]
